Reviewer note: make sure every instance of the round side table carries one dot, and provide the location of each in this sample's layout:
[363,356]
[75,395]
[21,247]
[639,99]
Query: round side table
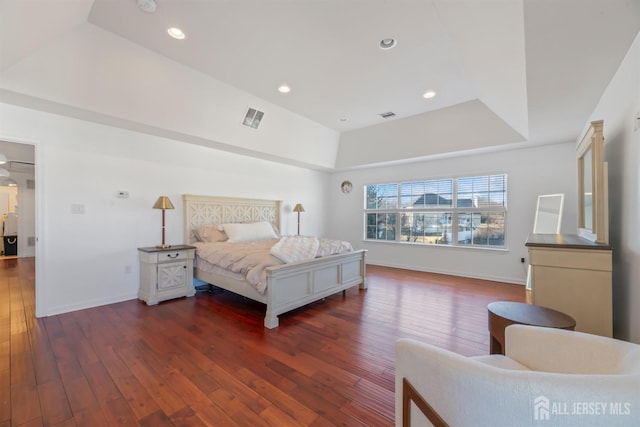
[505,313]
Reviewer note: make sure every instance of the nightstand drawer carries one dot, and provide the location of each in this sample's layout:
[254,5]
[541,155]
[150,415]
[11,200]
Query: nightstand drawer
[170,256]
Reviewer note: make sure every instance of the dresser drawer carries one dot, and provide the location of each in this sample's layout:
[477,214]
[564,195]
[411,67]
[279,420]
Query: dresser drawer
[566,258]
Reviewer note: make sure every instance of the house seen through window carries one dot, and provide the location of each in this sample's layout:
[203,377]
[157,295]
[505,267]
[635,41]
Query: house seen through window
[465,211]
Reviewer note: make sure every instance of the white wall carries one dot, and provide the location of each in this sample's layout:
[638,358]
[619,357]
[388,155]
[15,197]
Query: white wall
[82,259]
[619,107]
[531,171]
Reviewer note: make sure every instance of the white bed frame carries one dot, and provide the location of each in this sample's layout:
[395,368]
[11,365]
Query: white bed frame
[289,286]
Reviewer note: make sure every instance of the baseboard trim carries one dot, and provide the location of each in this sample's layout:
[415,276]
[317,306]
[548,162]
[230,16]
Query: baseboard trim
[515,281]
[52,311]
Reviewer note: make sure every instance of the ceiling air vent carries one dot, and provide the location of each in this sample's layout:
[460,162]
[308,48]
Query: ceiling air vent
[147,5]
[253,118]
[387,115]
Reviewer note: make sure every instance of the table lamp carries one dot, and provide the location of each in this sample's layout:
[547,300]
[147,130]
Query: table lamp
[163,203]
[298,208]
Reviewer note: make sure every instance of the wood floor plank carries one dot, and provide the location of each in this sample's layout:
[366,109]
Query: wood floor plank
[5,395]
[213,415]
[230,384]
[166,398]
[365,415]
[136,395]
[80,394]
[156,419]
[315,395]
[117,412]
[101,382]
[236,409]
[34,422]
[22,371]
[25,404]
[55,405]
[44,363]
[280,398]
[209,361]
[274,417]
[91,417]
[186,417]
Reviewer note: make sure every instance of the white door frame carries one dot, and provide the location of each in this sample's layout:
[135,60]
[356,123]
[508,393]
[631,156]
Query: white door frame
[40,287]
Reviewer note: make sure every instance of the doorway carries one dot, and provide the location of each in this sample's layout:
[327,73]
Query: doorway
[8,218]
[17,200]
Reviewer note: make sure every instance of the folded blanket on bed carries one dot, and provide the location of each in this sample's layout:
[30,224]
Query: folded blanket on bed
[332,247]
[295,248]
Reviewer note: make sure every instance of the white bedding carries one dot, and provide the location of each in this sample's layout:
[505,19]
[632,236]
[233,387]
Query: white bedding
[250,259]
[295,248]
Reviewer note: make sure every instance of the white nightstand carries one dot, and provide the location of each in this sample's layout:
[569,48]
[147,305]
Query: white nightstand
[166,273]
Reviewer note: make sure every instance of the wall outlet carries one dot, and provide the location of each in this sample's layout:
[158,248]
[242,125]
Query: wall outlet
[122,194]
[522,260]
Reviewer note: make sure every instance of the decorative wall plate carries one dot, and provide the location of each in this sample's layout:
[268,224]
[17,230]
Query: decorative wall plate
[346,187]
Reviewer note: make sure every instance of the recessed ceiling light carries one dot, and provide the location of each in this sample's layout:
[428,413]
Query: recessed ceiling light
[387,43]
[429,94]
[176,33]
[284,89]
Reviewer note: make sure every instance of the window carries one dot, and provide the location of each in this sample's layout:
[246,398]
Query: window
[467,211]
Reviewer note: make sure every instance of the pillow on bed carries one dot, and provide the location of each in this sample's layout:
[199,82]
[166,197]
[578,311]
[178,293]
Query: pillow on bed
[210,234]
[275,228]
[241,232]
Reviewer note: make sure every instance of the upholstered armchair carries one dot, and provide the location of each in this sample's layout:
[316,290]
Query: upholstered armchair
[547,377]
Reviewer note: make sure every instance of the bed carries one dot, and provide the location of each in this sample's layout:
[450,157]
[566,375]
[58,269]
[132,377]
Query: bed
[288,286]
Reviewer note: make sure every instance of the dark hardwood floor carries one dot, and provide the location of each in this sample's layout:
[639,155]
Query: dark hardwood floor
[207,360]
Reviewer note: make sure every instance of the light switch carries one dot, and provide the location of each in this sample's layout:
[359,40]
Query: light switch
[77,208]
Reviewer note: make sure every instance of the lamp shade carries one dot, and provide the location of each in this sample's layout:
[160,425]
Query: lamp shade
[163,202]
[3,159]
[298,208]
[4,172]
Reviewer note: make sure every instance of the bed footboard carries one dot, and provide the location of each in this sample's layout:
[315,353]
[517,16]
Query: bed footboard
[291,286]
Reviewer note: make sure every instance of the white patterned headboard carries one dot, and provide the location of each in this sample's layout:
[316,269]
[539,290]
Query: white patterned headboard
[206,210]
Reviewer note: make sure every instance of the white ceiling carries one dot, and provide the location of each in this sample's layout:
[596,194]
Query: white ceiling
[20,157]
[538,65]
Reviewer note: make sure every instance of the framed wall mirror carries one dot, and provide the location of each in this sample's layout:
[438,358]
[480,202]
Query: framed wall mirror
[593,206]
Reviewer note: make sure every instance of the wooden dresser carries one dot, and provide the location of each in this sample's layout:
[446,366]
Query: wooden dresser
[573,275]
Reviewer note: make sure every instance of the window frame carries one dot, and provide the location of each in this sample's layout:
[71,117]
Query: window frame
[452,210]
